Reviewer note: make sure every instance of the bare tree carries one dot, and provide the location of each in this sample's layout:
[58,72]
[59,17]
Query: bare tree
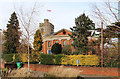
[28,24]
[107,12]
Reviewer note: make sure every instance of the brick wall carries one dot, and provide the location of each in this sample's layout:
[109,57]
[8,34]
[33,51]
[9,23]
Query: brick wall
[86,70]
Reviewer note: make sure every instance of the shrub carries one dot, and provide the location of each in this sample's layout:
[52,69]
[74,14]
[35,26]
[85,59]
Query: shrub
[56,48]
[17,58]
[75,53]
[24,57]
[83,60]
[67,50]
[47,59]
[35,57]
[58,59]
[9,57]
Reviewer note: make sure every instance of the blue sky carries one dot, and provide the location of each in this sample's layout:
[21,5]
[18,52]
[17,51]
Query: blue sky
[62,15]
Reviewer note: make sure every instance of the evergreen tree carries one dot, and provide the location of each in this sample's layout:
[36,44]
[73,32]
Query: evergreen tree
[111,31]
[80,32]
[12,35]
[37,44]
[56,48]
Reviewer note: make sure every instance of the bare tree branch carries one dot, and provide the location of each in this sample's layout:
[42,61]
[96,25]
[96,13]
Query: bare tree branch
[106,14]
[26,21]
[110,8]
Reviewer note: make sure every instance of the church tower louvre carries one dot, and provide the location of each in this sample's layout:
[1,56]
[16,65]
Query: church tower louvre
[46,28]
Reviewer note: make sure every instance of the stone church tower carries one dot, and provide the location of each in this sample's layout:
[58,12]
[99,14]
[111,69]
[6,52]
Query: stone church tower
[46,28]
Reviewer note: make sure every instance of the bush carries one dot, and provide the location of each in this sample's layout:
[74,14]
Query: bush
[35,57]
[50,59]
[56,48]
[110,62]
[24,57]
[58,59]
[9,57]
[88,60]
[67,50]
[75,53]
[17,58]
[47,59]
[83,60]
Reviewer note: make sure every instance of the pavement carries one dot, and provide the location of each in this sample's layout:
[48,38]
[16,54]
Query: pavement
[84,76]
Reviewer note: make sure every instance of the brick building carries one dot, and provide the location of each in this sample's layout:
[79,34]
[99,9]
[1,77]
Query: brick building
[50,37]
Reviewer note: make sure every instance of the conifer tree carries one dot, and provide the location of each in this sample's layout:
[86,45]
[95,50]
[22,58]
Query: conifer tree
[37,44]
[12,35]
[80,32]
[111,31]
[56,48]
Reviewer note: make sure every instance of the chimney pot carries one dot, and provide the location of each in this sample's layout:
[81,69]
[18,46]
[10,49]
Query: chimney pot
[46,20]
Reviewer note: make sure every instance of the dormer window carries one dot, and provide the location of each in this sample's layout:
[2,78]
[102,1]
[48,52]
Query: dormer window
[64,32]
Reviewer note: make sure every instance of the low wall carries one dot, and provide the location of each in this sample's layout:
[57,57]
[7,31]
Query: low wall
[85,70]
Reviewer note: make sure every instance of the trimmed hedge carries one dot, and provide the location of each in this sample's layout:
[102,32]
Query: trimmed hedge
[47,59]
[58,59]
[88,60]
[9,57]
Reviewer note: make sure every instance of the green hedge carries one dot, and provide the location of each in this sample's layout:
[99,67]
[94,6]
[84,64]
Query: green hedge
[51,59]
[9,57]
[58,59]
[47,59]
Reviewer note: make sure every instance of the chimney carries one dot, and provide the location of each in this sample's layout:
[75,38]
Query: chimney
[46,20]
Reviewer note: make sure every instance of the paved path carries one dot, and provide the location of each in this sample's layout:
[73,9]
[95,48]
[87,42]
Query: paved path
[96,77]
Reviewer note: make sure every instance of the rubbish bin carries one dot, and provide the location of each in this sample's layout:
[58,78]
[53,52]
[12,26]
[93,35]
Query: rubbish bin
[18,64]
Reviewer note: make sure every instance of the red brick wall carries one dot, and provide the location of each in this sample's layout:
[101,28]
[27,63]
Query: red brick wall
[45,45]
[86,70]
[38,67]
[61,33]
